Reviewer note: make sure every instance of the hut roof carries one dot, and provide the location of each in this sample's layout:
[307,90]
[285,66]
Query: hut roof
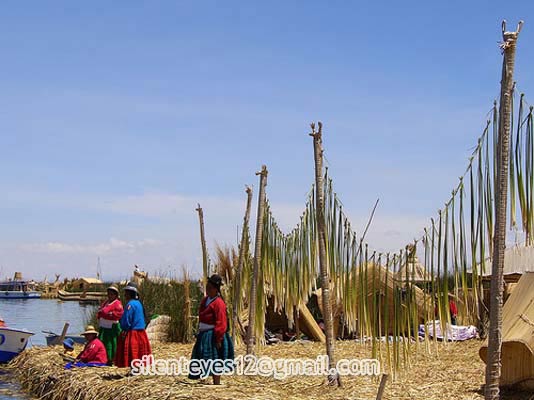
[517,260]
[416,272]
[89,281]
[376,279]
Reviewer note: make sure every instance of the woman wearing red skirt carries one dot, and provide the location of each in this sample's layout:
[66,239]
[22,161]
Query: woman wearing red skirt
[133,342]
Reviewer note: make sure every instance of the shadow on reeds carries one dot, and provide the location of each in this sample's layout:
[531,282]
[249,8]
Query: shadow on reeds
[510,393]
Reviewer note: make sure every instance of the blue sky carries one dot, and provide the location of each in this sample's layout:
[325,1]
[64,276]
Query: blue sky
[116,119]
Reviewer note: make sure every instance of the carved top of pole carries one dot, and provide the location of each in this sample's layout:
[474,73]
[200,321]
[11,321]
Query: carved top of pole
[248,189]
[263,171]
[510,38]
[199,209]
[316,134]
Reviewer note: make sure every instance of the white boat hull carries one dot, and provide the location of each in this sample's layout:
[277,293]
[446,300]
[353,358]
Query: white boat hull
[12,294]
[12,342]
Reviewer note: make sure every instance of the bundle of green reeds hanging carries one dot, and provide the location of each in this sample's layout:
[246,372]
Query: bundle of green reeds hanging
[381,294]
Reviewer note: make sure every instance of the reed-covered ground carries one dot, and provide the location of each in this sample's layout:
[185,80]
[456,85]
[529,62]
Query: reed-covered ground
[456,373]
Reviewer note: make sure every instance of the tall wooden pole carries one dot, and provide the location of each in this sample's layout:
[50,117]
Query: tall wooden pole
[251,337]
[493,362]
[240,262]
[205,271]
[188,328]
[323,262]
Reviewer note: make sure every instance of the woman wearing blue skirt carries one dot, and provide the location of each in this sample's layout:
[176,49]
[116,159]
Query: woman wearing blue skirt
[213,341]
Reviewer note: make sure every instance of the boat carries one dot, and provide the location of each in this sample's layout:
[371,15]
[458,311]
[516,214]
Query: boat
[82,297]
[18,289]
[12,342]
[84,290]
[51,338]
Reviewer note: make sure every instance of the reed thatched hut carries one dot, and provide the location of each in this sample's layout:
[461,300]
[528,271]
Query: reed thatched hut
[85,284]
[373,285]
[517,261]
[413,271]
[517,335]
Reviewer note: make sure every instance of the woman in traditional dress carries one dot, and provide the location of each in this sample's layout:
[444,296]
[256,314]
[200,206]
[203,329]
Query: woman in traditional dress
[453,309]
[93,354]
[133,341]
[94,350]
[213,341]
[109,315]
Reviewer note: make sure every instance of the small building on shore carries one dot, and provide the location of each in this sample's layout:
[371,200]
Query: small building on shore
[86,284]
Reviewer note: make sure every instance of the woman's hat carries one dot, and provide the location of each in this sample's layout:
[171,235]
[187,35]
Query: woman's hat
[215,280]
[113,289]
[69,343]
[90,329]
[131,286]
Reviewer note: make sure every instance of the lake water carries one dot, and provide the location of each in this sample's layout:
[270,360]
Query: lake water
[38,315]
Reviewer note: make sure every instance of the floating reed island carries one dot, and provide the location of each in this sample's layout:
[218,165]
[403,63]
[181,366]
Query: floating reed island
[454,372]
[323,269]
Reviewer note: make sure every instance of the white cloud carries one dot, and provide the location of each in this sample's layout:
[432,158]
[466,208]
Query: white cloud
[170,235]
[97,249]
[390,233]
[148,204]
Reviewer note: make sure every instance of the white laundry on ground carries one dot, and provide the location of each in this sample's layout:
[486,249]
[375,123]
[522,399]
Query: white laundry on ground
[455,333]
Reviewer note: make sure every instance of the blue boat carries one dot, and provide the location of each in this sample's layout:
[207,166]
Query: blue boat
[17,289]
[51,338]
[12,342]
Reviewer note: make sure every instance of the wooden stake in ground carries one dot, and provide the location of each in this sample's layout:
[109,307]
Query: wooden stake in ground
[251,337]
[204,250]
[493,364]
[323,263]
[240,262]
[296,321]
[382,386]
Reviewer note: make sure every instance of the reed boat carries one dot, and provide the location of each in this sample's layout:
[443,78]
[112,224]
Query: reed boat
[82,297]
